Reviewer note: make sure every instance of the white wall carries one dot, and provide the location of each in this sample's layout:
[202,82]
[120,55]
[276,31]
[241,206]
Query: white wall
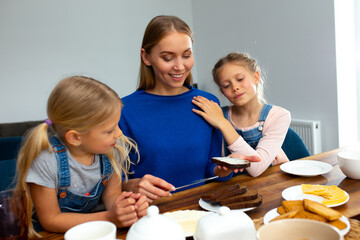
[357,55]
[294,43]
[43,41]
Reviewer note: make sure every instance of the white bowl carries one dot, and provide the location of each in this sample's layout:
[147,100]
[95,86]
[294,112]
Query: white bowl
[155,226]
[225,225]
[349,163]
[295,229]
[95,230]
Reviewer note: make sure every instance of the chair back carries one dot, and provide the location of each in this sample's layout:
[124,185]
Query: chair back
[293,146]
[9,148]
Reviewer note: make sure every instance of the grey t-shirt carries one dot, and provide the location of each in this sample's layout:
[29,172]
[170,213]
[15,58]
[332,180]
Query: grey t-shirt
[44,172]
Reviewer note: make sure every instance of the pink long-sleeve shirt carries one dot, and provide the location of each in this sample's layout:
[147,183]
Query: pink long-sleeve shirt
[268,149]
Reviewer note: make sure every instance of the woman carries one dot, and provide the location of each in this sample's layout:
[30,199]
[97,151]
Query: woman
[175,144]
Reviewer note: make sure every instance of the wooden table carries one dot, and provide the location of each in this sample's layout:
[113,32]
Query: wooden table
[270,185]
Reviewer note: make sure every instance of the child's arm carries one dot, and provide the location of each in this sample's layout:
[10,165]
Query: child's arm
[52,219]
[213,114]
[223,171]
[275,128]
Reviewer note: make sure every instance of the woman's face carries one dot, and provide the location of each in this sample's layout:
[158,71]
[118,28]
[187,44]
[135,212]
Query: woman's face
[238,84]
[171,60]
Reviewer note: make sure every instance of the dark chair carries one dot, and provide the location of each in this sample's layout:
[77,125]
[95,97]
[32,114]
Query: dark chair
[9,148]
[293,146]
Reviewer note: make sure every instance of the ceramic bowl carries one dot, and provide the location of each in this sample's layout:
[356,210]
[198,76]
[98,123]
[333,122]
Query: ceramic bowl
[226,224]
[94,230]
[155,226]
[295,229]
[349,163]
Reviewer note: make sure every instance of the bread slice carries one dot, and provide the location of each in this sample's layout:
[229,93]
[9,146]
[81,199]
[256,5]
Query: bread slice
[249,195]
[322,210]
[281,210]
[309,215]
[292,205]
[290,214]
[338,224]
[233,163]
[224,192]
[246,204]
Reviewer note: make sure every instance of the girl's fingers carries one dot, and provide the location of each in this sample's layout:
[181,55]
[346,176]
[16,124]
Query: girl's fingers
[140,202]
[126,223]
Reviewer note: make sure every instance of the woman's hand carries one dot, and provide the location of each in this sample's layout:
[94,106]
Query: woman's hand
[211,111]
[150,186]
[223,171]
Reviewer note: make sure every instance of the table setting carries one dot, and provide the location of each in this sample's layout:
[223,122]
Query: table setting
[277,184]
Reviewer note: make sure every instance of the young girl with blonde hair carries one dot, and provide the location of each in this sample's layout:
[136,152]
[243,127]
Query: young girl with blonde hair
[67,176]
[249,126]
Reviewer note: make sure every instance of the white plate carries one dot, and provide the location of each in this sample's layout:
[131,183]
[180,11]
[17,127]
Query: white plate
[295,193]
[273,213]
[187,219]
[306,168]
[215,207]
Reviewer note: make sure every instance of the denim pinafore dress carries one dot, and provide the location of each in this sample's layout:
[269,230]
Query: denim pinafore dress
[251,136]
[69,201]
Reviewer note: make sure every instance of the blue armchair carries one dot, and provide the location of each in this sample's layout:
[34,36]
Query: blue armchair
[9,148]
[293,146]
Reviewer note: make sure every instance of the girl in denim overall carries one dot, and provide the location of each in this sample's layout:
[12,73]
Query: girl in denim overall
[73,174]
[249,126]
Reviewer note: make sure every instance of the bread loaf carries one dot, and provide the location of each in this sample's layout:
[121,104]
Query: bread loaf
[322,210]
[224,192]
[248,195]
[246,204]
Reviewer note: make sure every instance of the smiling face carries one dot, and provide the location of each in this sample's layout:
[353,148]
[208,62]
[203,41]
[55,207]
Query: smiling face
[238,84]
[102,138]
[171,60]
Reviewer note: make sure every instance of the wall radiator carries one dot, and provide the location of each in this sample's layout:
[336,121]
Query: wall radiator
[310,132]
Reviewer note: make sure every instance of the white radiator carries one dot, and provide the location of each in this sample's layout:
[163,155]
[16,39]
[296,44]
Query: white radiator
[310,132]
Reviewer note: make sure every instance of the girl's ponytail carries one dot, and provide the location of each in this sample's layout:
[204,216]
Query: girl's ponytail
[36,140]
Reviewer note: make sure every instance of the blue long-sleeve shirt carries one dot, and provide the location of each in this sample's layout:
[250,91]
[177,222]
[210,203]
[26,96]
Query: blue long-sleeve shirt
[175,143]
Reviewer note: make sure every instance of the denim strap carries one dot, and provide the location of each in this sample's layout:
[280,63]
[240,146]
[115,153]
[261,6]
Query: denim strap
[264,112]
[105,165]
[63,163]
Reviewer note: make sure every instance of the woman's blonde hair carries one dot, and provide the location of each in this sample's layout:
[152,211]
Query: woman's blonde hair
[245,60]
[155,31]
[76,103]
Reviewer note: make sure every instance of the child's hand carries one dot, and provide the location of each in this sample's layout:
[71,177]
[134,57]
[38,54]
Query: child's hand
[141,204]
[242,156]
[225,171]
[211,111]
[123,212]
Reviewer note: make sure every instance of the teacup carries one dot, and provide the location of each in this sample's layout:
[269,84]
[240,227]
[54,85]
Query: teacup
[349,163]
[95,230]
[294,229]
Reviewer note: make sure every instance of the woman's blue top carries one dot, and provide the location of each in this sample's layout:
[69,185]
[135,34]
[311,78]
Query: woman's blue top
[175,143]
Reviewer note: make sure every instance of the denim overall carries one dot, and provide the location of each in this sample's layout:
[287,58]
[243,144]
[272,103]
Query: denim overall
[71,202]
[251,136]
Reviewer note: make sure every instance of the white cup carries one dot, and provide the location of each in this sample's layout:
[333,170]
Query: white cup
[297,228]
[349,163]
[95,230]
